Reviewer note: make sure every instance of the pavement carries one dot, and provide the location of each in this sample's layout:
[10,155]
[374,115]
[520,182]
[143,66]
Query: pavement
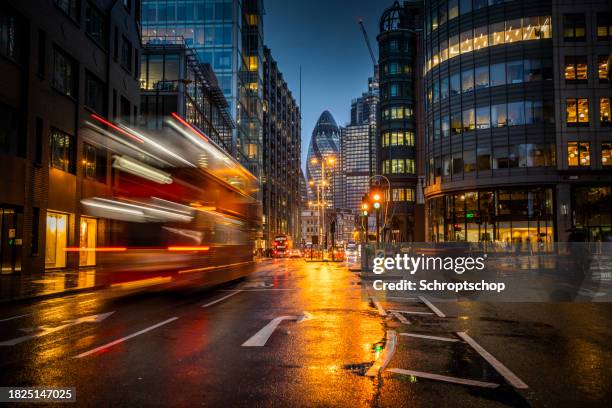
[297,333]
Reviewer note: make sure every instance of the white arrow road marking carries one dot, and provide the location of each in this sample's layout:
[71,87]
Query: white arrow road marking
[381,310]
[221,299]
[15,317]
[122,339]
[400,317]
[497,365]
[433,308]
[423,336]
[44,330]
[445,378]
[260,338]
[385,356]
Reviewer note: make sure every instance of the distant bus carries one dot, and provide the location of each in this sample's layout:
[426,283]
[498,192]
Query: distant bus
[282,244]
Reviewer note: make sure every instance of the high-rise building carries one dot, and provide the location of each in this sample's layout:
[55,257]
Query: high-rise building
[398,128]
[62,63]
[358,147]
[228,35]
[519,145]
[324,155]
[281,155]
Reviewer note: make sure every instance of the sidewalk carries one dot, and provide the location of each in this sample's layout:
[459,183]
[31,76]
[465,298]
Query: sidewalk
[21,286]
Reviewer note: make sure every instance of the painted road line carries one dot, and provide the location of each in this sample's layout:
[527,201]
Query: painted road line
[385,357]
[15,317]
[400,317]
[423,336]
[221,299]
[445,378]
[381,310]
[413,312]
[430,305]
[260,338]
[502,369]
[45,330]
[122,339]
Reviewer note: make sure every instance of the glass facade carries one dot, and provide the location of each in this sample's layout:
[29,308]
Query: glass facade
[228,35]
[356,163]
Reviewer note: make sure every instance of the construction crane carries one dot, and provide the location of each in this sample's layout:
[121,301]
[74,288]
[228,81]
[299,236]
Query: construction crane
[367,41]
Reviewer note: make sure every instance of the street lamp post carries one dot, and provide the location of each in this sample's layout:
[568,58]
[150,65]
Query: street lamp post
[329,160]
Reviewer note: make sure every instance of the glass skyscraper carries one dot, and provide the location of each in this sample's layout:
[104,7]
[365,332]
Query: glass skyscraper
[228,35]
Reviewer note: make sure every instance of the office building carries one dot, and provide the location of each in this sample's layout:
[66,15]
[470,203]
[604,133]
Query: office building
[398,128]
[62,63]
[228,35]
[281,156]
[518,120]
[324,156]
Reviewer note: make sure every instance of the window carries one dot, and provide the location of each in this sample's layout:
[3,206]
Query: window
[603,68]
[95,25]
[604,26]
[577,111]
[64,73]
[126,54]
[38,141]
[94,163]
[481,38]
[578,154]
[484,158]
[467,44]
[455,84]
[42,53]
[456,123]
[69,7]
[499,116]
[124,106]
[61,151]
[498,74]
[604,111]
[442,14]
[516,113]
[457,163]
[576,68]
[483,119]
[398,194]
[467,80]
[11,36]
[496,33]
[606,154]
[514,32]
[465,6]
[533,70]
[394,90]
[453,9]
[469,161]
[574,27]
[9,130]
[445,126]
[444,92]
[95,93]
[536,155]
[514,72]
[469,120]
[453,46]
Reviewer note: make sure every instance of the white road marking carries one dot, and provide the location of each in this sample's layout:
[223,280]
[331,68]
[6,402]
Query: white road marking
[400,317]
[434,309]
[260,338]
[221,299]
[122,339]
[45,330]
[385,356]
[414,312]
[502,369]
[445,378]
[15,317]
[381,310]
[423,336]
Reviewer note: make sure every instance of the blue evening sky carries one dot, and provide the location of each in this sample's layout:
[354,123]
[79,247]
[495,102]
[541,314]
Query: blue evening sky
[323,37]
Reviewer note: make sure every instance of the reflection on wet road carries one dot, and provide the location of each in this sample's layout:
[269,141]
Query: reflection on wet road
[303,334]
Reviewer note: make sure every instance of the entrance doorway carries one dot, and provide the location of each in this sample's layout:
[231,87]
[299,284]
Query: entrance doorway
[11,220]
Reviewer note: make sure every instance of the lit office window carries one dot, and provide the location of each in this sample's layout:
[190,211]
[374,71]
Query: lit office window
[467,44]
[481,37]
[453,46]
[467,80]
[497,33]
[578,154]
[499,116]
[576,68]
[61,150]
[604,111]
[469,120]
[603,68]
[530,28]
[483,117]
[514,32]
[253,63]
[606,154]
[577,111]
[399,194]
[604,26]
[574,27]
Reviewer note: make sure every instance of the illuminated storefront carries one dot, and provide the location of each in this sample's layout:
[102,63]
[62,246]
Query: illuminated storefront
[89,230]
[503,215]
[56,240]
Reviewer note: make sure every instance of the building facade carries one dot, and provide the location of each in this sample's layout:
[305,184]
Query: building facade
[323,156]
[173,80]
[228,35]
[81,58]
[282,174]
[398,129]
[517,119]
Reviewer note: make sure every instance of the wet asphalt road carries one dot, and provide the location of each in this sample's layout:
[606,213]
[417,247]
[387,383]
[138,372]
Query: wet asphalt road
[211,347]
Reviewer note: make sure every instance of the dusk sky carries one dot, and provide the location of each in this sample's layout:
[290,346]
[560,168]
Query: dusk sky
[325,39]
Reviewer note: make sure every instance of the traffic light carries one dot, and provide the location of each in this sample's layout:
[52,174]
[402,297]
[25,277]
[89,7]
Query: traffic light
[365,205]
[376,199]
